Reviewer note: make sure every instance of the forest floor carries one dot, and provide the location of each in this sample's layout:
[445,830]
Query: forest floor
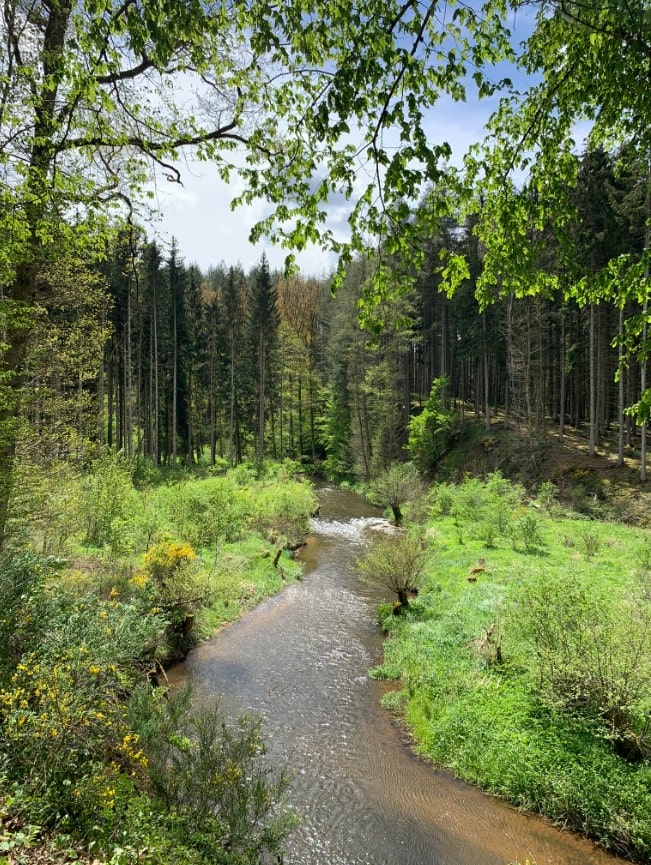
[594,485]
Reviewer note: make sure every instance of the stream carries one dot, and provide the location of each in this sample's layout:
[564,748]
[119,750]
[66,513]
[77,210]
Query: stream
[300,660]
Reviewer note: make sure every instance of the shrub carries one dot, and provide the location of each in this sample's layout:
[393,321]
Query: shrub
[395,486]
[395,563]
[109,502]
[22,578]
[173,582]
[527,529]
[281,512]
[62,716]
[433,431]
[590,653]
[212,775]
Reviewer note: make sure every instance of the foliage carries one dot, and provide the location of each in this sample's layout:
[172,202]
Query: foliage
[213,775]
[485,509]
[433,431]
[81,637]
[527,530]
[22,578]
[396,563]
[109,502]
[396,486]
[173,583]
[334,430]
[281,512]
[590,651]
[64,736]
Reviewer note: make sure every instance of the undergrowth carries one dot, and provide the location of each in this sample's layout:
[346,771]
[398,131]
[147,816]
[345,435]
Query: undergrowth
[98,592]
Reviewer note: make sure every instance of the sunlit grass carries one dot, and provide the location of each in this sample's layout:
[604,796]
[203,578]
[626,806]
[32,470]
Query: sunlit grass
[471,695]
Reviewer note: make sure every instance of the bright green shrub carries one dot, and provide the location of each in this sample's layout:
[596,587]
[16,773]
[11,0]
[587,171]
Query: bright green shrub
[22,577]
[396,486]
[173,582]
[109,502]
[590,652]
[281,512]
[433,431]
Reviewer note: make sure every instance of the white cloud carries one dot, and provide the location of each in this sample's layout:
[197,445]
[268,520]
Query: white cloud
[199,216]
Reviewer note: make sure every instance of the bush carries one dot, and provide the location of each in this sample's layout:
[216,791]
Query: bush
[22,578]
[109,502]
[395,563]
[172,581]
[590,653]
[396,486]
[434,430]
[486,508]
[62,714]
[281,512]
[213,776]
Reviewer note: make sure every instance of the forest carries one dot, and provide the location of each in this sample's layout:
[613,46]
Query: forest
[159,423]
[230,365]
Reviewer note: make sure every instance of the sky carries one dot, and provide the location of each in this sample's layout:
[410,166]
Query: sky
[199,216]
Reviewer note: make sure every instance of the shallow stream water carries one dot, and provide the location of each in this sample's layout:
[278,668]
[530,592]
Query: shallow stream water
[362,798]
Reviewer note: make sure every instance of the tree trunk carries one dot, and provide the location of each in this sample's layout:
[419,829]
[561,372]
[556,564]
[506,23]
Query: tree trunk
[593,384]
[561,414]
[487,411]
[620,389]
[261,383]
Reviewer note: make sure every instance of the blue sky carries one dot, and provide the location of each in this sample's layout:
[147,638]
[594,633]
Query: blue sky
[198,214]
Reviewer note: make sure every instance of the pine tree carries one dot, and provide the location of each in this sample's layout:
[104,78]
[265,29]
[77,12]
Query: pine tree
[263,324]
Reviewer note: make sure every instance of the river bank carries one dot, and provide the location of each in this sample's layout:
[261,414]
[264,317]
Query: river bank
[94,761]
[362,798]
[530,627]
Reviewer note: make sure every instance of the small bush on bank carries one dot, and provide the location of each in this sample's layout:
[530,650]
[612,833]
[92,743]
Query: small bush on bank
[213,776]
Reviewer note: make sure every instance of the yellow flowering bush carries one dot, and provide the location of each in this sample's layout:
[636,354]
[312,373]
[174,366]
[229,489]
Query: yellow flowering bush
[170,577]
[63,717]
[163,560]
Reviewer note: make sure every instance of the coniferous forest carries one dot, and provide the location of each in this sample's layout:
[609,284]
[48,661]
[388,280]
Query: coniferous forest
[162,362]
[476,364]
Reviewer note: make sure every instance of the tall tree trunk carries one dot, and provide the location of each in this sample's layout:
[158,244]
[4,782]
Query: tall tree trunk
[561,413]
[231,423]
[261,388]
[510,364]
[620,388]
[300,414]
[593,384]
[487,411]
[128,397]
[156,404]
[175,373]
[645,329]
[212,411]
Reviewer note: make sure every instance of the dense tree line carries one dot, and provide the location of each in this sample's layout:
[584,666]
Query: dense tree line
[161,361]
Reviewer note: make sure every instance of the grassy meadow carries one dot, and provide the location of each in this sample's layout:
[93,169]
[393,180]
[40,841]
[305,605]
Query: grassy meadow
[525,660]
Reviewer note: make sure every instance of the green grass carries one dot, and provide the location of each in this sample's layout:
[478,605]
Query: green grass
[502,723]
[244,574]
